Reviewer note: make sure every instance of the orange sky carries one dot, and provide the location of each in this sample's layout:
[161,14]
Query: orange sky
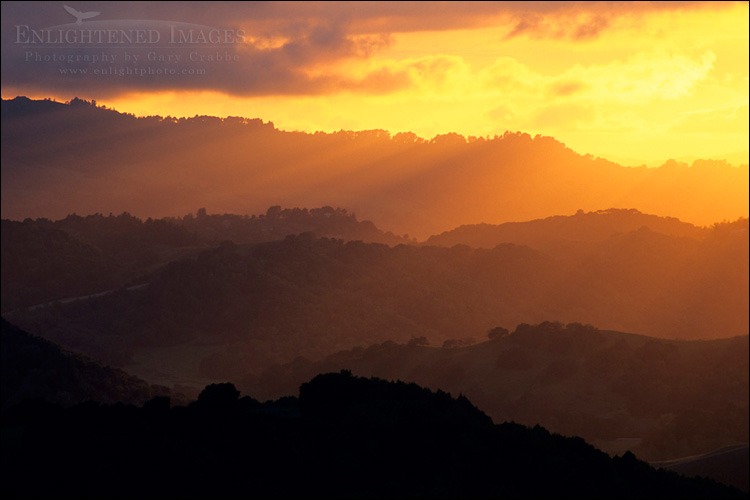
[635,83]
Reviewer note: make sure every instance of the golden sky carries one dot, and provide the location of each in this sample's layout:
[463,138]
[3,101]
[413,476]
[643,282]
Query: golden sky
[634,82]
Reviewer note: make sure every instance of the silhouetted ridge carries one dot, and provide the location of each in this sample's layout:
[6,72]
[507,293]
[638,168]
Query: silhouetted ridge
[23,106]
[399,404]
[379,440]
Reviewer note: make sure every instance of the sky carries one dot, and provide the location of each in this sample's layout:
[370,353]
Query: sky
[637,83]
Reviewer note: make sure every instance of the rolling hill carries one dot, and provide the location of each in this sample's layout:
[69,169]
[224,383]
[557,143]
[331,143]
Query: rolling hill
[34,368]
[239,308]
[671,398]
[566,235]
[44,260]
[77,157]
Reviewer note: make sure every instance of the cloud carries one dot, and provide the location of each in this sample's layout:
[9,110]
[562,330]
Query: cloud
[41,50]
[590,27]
[566,87]
[566,24]
[597,97]
[293,48]
[508,76]
[645,76]
[525,24]
[642,78]
[581,21]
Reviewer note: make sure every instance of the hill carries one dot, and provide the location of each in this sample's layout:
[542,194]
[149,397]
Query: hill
[33,368]
[670,398]
[44,260]
[41,264]
[58,159]
[238,308]
[566,235]
[344,437]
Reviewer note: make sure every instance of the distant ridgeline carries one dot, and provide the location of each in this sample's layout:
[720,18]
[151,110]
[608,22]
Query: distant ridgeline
[561,233]
[78,157]
[44,260]
[278,223]
[343,437]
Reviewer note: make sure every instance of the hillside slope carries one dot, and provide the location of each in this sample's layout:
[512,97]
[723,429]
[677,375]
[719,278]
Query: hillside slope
[671,398]
[33,368]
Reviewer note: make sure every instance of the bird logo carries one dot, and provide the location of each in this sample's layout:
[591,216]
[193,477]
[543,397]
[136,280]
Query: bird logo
[80,16]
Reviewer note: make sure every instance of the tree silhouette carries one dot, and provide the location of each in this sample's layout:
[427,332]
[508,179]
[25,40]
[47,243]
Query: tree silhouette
[497,333]
[418,341]
[219,395]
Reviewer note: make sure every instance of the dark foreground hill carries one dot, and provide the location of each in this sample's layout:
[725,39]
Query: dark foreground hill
[34,368]
[344,437]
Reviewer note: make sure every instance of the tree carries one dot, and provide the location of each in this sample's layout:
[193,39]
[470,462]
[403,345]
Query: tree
[273,212]
[454,343]
[219,395]
[418,341]
[497,333]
